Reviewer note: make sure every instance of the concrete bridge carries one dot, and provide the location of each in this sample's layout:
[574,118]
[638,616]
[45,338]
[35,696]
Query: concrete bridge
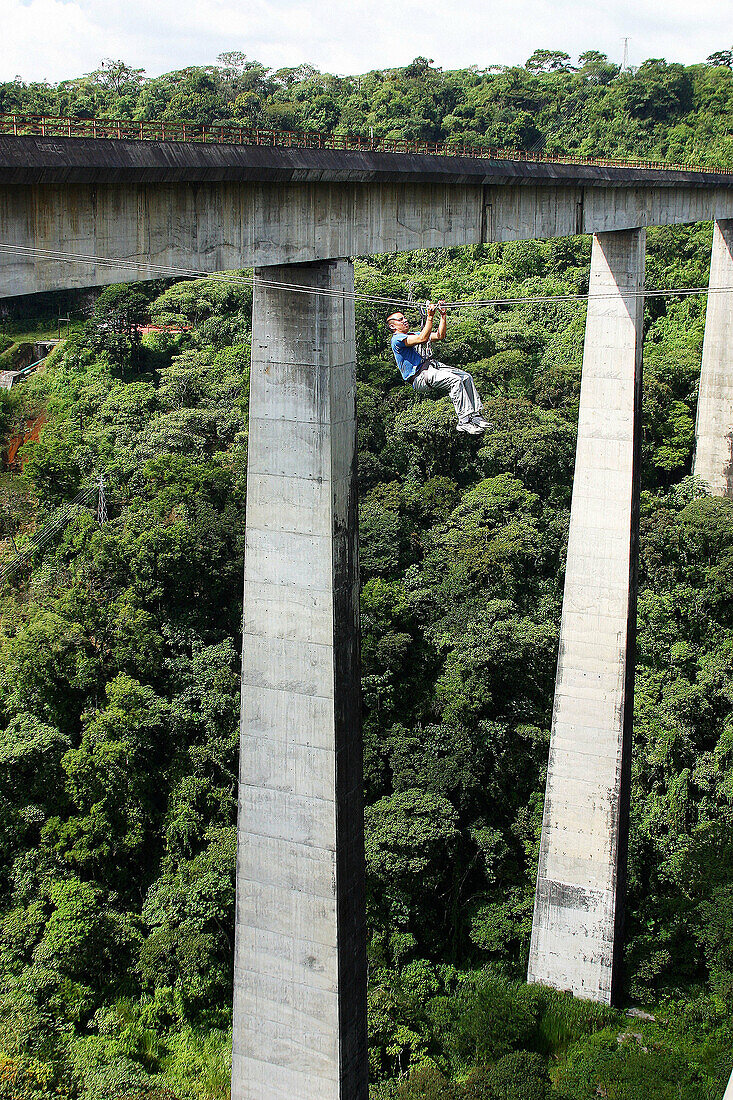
[296,215]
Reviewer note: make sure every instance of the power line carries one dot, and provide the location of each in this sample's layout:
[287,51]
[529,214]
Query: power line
[22,251]
[43,537]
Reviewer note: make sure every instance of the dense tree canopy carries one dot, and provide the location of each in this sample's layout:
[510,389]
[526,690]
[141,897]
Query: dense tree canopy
[661,109]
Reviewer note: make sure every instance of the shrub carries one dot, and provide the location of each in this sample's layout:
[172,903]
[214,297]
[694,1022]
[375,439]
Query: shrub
[26,1079]
[520,1076]
[491,1018]
[426,1082]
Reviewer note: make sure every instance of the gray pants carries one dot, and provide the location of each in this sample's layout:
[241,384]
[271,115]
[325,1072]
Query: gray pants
[437,378]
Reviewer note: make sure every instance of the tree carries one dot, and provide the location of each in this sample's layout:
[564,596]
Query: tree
[195,97]
[721,57]
[189,912]
[409,839]
[548,61]
[298,74]
[596,68]
[241,78]
[232,65]
[248,107]
[426,1082]
[420,68]
[114,326]
[658,90]
[117,77]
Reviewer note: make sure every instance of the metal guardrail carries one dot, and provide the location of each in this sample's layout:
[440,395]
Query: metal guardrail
[127,130]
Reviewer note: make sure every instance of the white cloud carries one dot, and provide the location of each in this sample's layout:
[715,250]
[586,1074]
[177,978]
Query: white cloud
[56,39]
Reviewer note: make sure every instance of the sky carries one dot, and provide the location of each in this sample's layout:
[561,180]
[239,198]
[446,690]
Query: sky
[56,39]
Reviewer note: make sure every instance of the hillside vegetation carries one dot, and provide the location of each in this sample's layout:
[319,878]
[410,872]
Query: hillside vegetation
[119,648]
[662,109]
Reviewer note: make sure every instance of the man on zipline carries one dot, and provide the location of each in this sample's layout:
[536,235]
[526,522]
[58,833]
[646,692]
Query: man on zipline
[413,352]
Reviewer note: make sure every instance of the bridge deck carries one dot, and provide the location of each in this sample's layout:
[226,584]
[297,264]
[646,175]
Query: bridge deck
[32,159]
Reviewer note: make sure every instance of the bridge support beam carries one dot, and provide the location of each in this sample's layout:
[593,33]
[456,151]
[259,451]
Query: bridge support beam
[714,431]
[580,885]
[300,964]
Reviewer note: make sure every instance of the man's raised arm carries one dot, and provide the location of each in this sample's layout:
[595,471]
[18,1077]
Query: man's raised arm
[422,337]
[440,334]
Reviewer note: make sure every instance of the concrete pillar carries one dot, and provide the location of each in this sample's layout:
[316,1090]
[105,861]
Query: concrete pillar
[300,952]
[714,430]
[580,884]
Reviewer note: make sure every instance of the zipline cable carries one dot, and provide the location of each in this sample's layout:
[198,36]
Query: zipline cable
[22,251]
[61,256]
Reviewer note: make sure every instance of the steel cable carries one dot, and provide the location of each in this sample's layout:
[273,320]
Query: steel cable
[46,533]
[300,288]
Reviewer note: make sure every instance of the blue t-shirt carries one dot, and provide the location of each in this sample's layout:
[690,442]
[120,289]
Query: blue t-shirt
[409,359]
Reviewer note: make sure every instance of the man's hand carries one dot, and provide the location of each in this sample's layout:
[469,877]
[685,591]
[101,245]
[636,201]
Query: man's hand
[440,334]
[430,308]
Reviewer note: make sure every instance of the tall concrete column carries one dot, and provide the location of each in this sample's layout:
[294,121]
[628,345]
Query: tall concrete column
[580,884]
[300,962]
[714,431]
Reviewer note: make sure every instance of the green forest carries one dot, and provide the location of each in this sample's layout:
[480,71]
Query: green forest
[660,110]
[119,643]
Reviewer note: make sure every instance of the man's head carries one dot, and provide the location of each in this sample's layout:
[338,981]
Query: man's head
[396,322]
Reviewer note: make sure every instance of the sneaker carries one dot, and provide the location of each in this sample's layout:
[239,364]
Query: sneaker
[481,421]
[469,427]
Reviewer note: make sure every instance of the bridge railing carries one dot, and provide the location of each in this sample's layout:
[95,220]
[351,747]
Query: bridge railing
[128,129]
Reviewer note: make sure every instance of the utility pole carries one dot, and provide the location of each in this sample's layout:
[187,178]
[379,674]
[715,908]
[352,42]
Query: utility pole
[102,503]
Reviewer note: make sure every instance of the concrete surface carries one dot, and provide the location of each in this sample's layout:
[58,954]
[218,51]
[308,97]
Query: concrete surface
[220,207]
[580,885]
[35,159]
[300,952]
[714,429]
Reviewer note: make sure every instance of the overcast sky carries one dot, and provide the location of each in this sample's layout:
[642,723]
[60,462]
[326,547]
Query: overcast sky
[56,39]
